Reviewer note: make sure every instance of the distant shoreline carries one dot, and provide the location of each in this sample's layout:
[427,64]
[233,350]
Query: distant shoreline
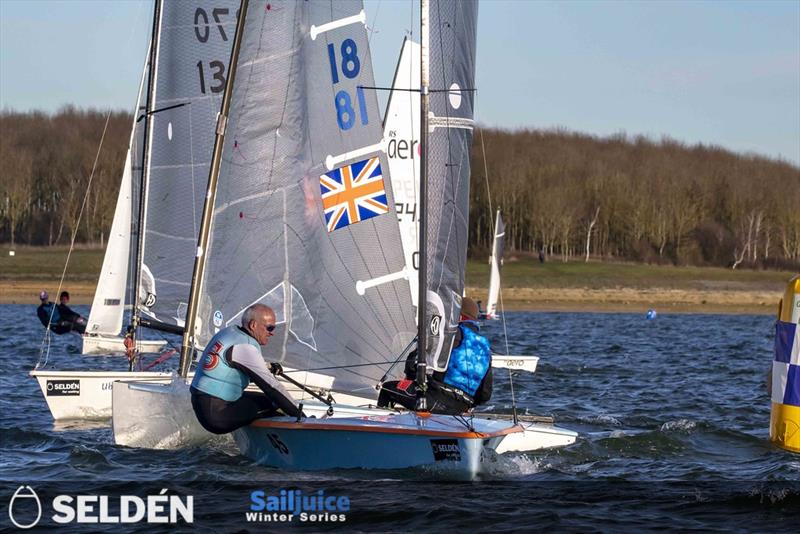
[627,300]
[595,286]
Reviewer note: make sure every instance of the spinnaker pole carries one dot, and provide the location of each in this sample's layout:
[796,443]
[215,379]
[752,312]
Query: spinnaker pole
[422,322]
[187,346]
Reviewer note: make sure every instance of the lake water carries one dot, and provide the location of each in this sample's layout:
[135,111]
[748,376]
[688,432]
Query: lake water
[673,415]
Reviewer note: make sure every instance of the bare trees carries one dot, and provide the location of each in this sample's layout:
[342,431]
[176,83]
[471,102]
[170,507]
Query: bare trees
[638,199]
[566,193]
[45,163]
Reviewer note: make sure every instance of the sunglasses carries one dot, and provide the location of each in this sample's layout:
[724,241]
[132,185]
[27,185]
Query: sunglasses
[270,327]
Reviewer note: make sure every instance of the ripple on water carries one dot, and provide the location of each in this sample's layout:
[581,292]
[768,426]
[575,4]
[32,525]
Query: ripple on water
[678,398]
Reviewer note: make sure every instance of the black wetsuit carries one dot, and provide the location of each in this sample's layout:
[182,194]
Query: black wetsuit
[58,323]
[71,318]
[440,397]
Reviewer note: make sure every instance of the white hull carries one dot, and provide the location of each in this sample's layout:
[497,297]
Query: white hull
[155,416]
[160,416]
[85,394]
[106,345]
[515,363]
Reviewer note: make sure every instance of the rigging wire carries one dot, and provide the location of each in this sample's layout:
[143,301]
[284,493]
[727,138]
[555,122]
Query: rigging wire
[500,293]
[47,338]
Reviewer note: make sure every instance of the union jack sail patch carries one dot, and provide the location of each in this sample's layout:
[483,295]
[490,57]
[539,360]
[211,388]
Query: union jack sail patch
[353,193]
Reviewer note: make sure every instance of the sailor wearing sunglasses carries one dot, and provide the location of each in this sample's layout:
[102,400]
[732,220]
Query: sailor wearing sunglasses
[231,360]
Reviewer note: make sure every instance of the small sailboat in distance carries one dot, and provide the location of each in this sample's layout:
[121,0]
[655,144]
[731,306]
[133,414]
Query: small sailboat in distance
[104,326]
[495,262]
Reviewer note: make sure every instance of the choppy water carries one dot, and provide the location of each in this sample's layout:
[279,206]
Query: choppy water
[673,415]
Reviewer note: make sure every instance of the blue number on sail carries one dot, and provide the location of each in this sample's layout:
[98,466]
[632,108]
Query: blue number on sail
[343,102]
[353,193]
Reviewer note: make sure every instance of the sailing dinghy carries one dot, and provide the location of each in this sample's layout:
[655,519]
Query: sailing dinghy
[104,325]
[313,190]
[401,132]
[300,273]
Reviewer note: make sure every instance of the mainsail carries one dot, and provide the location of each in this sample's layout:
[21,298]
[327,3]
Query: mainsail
[194,45]
[304,219]
[496,260]
[451,64]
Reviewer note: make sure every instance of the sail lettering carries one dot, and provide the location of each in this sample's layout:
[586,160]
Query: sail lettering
[218,73]
[201,23]
[350,67]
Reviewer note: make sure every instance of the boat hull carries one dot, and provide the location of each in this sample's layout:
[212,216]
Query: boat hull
[156,416]
[160,415]
[439,442]
[515,363]
[105,345]
[85,394]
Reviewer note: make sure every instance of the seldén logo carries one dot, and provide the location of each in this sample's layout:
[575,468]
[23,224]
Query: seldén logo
[288,505]
[160,508]
[20,518]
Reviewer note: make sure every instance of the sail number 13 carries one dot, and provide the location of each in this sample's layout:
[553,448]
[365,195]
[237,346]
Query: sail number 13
[349,65]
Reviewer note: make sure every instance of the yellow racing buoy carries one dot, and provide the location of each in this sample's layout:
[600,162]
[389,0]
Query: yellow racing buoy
[784,425]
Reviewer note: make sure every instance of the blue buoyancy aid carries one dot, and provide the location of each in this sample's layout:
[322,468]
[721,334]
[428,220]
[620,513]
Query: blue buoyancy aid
[469,362]
[214,376]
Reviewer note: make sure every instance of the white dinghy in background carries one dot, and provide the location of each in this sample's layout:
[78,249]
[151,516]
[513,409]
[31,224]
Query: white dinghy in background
[104,326]
[495,262]
[79,395]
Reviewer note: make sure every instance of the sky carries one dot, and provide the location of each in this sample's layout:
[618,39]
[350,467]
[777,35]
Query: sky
[723,72]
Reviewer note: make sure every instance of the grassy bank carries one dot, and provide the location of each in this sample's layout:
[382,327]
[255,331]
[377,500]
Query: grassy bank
[527,284]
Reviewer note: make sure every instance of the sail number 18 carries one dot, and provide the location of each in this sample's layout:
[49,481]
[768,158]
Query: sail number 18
[350,66]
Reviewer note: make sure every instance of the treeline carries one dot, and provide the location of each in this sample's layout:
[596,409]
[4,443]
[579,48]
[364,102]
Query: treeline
[574,196]
[567,194]
[45,165]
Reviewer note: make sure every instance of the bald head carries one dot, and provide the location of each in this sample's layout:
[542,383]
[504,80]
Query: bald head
[259,321]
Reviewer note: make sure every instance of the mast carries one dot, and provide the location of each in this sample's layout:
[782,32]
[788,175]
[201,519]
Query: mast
[146,145]
[422,323]
[187,345]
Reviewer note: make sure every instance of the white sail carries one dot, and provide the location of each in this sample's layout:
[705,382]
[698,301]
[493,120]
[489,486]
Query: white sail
[108,305]
[109,297]
[401,132]
[495,262]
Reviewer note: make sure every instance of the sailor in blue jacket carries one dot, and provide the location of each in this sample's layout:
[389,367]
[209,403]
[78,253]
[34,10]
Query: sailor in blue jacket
[230,361]
[465,383]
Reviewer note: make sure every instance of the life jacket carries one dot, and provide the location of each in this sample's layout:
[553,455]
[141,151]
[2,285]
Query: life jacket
[469,362]
[44,311]
[214,375]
